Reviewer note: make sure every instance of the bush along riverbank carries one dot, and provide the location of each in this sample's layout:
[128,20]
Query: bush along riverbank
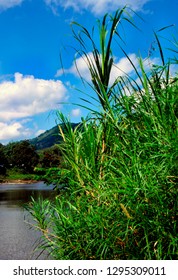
[17,176]
[120,165]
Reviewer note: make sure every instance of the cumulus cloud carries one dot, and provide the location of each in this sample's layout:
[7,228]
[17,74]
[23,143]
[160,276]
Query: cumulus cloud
[27,96]
[6,4]
[13,130]
[123,66]
[120,68]
[40,131]
[76,112]
[96,7]
[79,67]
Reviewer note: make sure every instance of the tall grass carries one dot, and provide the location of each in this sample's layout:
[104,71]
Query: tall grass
[120,165]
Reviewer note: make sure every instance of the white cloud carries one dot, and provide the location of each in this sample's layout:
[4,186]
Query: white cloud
[97,7]
[173,69]
[79,67]
[13,130]
[40,131]
[123,66]
[120,68]
[27,96]
[6,4]
[76,112]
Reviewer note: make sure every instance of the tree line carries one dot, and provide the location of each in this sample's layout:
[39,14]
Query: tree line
[24,157]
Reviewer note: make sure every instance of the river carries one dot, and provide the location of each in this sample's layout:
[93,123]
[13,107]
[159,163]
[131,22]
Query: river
[17,240]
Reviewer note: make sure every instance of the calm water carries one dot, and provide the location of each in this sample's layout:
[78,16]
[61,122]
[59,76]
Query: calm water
[17,240]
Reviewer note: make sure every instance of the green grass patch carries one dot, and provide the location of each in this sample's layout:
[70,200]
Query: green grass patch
[15,174]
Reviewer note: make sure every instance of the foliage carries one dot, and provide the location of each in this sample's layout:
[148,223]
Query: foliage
[24,156]
[17,161]
[7,150]
[120,165]
[16,174]
[48,138]
[50,157]
[49,166]
[3,160]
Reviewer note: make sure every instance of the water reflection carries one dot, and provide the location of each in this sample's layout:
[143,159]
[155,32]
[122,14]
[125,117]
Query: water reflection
[17,240]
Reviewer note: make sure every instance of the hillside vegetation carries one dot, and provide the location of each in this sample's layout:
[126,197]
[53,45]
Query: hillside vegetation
[49,138]
[25,159]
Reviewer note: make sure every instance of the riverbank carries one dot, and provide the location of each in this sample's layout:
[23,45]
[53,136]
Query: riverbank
[15,176]
[18,182]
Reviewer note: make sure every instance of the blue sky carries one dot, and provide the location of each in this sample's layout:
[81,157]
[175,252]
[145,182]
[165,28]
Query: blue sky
[34,33]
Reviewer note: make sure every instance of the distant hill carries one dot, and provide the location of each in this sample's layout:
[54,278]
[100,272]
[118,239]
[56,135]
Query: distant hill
[48,138]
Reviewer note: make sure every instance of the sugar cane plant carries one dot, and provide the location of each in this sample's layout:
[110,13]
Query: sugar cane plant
[120,165]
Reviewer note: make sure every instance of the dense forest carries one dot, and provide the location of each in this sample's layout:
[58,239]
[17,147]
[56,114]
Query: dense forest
[28,159]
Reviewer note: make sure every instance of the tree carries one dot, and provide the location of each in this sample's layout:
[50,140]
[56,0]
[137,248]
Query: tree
[24,156]
[8,150]
[51,157]
[3,160]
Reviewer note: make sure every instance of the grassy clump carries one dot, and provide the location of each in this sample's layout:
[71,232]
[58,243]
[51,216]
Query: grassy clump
[17,174]
[120,165]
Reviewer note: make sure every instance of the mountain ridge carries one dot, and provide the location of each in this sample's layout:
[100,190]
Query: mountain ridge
[48,138]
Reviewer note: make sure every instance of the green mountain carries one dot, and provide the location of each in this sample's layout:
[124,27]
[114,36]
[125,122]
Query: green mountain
[48,138]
